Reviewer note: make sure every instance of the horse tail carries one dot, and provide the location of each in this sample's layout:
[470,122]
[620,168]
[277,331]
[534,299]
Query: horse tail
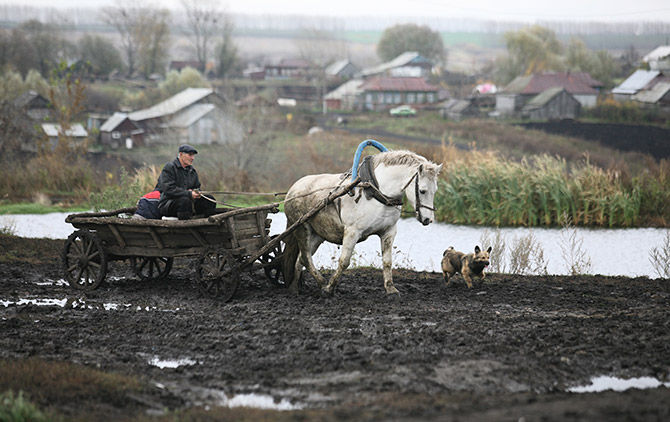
[290,257]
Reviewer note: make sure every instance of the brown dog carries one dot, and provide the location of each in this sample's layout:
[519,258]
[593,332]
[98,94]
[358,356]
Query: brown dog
[471,264]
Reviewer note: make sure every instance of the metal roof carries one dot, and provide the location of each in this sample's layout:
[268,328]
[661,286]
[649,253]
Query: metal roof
[351,87]
[654,94]
[540,100]
[635,82]
[574,82]
[191,115]
[76,130]
[404,59]
[336,67]
[657,53]
[398,84]
[172,104]
[114,121]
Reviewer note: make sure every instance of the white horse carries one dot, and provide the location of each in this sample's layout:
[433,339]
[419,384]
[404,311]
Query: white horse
[352,218]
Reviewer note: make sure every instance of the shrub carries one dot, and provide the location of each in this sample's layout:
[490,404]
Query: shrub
[572,252]
[660,257]
[15,408]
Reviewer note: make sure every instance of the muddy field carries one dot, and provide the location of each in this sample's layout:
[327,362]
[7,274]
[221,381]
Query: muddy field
[509,348]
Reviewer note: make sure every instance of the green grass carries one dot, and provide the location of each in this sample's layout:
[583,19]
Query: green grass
[33,208]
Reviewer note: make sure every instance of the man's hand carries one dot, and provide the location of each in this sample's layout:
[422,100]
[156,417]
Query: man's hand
[195,194]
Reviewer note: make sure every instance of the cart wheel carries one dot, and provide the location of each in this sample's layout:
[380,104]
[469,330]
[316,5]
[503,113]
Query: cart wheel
[217,274]
[272,264]
[151,268]
[84,260]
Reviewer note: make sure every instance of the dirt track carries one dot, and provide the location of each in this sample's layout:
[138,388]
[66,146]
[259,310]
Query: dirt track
[508,348]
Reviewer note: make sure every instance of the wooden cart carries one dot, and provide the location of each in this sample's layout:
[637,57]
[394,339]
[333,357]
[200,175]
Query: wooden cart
[223,243]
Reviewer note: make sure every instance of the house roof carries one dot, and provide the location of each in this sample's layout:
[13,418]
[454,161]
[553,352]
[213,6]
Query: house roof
[76,130]
[406,58]
[654,94]
[351,87]
[635,82]
[113,122]
[336,67]
[543,98]
[381,83]
[458,106]
[574,82]
[30,98]
[191,115]
[172,105]
[658,53]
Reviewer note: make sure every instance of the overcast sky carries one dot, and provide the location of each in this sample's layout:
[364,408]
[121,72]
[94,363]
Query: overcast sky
[516,10]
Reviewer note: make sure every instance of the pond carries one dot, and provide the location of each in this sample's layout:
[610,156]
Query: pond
[611,251]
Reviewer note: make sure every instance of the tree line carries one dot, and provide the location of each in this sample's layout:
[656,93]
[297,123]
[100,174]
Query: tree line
[144,34]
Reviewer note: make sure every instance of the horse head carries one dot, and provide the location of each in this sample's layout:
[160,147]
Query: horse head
[419,176]
[421,191]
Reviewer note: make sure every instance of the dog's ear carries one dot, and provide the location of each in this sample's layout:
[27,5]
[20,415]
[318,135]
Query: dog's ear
[477,250]
[489,249]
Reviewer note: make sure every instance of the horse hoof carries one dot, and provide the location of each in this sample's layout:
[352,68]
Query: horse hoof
[393,296]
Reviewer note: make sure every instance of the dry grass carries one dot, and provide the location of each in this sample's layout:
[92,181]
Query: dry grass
[58,385]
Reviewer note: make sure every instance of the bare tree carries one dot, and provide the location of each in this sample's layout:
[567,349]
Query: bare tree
[204,22]
[124,17]
[154,38]
[144,33]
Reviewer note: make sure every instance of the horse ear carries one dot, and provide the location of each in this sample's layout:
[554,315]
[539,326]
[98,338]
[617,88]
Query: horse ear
[420,168]
[477,250]
[489,249]
[438,168]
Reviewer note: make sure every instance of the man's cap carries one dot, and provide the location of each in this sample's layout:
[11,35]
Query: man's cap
[187,149]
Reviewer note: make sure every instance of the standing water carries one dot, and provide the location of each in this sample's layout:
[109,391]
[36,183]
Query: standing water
[611,251]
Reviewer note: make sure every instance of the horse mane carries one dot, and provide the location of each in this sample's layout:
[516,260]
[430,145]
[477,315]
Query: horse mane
[404,158]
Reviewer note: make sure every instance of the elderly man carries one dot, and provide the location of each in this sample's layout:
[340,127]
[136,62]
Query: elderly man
[179,184]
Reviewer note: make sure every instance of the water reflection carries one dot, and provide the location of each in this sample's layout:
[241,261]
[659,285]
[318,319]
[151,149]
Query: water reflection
[611,251]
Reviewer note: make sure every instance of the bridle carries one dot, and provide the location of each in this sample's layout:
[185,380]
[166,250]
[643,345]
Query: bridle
[417,200]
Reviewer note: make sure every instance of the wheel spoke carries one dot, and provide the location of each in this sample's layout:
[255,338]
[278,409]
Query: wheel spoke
[94,254]
[94,264]
[77,245]
[72,268]
[89,245]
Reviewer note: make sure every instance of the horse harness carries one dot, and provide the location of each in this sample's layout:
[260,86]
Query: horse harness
[371,188]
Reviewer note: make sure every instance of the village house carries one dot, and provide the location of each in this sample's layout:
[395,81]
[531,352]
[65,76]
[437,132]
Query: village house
[640,80]
[34,105]
[76,132]
[119,131]
[552,104]
[382,92]
[512,98]
[195,115]
[341,70]
[658,58]
[347,96]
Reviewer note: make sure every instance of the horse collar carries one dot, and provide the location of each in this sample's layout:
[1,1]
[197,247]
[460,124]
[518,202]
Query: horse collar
[371,185]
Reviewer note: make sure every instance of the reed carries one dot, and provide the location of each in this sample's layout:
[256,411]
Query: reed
[484,189]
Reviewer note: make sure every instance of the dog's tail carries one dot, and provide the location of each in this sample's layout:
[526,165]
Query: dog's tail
[450,248]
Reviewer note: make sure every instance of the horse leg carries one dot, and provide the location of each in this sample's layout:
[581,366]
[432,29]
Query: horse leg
[348,243]
[387,239]
[309,243]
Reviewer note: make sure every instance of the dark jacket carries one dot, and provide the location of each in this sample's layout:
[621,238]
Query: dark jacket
[175,182]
